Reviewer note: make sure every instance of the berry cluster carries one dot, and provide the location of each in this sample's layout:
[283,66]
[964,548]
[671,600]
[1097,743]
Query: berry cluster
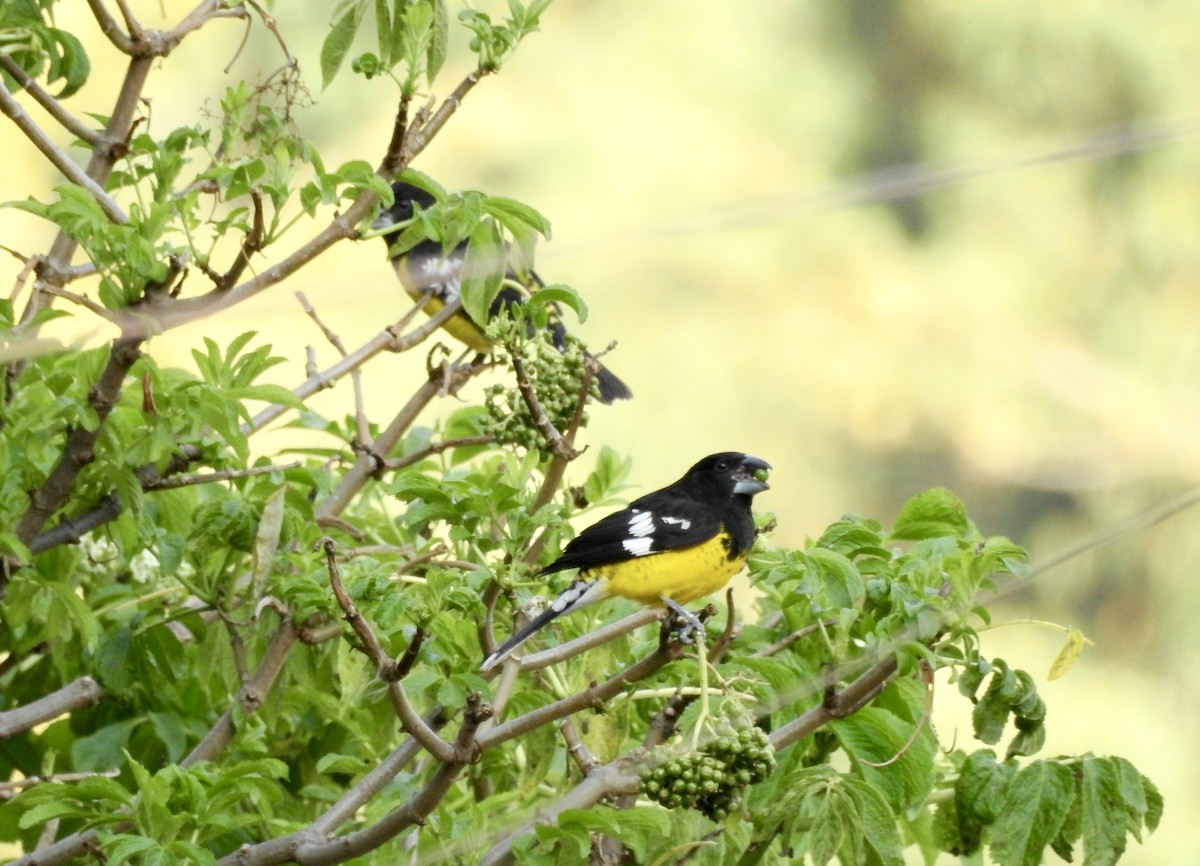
[556,378]
[712,780]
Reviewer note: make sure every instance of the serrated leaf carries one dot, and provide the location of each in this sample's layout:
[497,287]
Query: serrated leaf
[266,539]
[1035,806]
[880,737]
[1103,819]
[982,785]
[43,812]
[127,847]
[337,43]
[876,822]
[934,513]
[1068,655]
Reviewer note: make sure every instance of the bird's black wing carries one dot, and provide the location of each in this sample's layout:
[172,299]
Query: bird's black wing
[657,522]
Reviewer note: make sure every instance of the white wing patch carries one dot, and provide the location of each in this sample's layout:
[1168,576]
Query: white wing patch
[641,524]
[638,546]
[682,522]
[443,275]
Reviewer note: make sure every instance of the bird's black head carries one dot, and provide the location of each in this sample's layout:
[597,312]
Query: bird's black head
[407,199]
[729,473]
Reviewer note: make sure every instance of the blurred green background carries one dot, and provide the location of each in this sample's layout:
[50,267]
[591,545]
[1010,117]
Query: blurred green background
[1021,330]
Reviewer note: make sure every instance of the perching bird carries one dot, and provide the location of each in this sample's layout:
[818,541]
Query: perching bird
[427,268]
[667,548]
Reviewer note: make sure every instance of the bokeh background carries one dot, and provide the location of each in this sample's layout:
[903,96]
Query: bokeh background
[885,245]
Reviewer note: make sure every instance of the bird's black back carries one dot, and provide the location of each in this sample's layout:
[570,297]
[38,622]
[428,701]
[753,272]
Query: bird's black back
[683,514]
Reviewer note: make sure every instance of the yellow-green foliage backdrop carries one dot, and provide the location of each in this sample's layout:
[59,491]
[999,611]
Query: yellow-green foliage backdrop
[1028,335]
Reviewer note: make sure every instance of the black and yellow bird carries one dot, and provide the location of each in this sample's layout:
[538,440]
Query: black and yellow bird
[668,547]
[428,269]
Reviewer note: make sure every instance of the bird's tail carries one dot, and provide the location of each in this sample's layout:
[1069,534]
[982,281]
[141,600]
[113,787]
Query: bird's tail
[579,594]
[611,388]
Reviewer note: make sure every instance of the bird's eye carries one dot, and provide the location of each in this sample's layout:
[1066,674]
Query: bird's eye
[722,465]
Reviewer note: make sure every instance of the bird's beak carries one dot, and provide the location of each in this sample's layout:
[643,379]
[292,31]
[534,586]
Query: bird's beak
[382,221]
[751,477]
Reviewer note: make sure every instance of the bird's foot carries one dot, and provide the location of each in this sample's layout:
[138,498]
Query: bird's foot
[686,625]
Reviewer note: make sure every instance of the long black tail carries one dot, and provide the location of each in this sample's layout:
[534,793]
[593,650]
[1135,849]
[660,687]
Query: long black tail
[579,594]
[611,388]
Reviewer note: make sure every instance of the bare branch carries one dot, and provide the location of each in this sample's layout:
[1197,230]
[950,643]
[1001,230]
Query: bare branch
[57,157]
[176,481]
[364,468]
[570,649]
[437,448]
[75,694]
[8,789]
[386,669]
[838,704]
[110,28]
[251,696]
[589,697]
[612,778]
[418,139]
[53,107]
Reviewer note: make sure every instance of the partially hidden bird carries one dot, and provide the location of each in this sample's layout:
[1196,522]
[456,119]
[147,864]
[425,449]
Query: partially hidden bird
[428,269]
[666,548]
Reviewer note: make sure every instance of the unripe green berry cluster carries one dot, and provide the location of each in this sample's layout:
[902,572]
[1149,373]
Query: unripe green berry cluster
[556,378]
[712,780]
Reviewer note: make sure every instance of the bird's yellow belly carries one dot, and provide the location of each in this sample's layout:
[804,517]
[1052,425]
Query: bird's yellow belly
[459,326]
[680,575]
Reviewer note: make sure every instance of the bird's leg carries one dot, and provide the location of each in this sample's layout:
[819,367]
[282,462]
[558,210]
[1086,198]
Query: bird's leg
[691,631]
[690,623]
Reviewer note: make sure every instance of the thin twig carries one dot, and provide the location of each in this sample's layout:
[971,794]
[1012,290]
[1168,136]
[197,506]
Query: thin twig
[57,157]
[176,481]
[437,448]
[110,28]
[384,341]
[9,788]
[385,667]
[53,107]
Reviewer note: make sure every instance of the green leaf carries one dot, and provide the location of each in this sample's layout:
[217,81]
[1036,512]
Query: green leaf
[877,824]
[562,294]
[932,514]
[338,41]
[982,785]
[877,736]
[43,812]
[1103,812]
[1035,806]
[483,271]
[127,847]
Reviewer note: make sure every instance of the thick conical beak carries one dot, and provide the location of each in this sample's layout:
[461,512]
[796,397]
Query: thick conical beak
[751,478]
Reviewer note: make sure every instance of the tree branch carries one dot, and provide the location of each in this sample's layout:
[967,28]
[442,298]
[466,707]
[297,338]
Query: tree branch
[838,704]
[385,668]
[589,697]
[75,694]
[365,467]
[53,107]
[70,170]
[78,450]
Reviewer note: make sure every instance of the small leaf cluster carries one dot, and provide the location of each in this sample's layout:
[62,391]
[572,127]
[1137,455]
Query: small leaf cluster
[1012,693]
[712,780]
[29,37]
[1017,812]
[165,807]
